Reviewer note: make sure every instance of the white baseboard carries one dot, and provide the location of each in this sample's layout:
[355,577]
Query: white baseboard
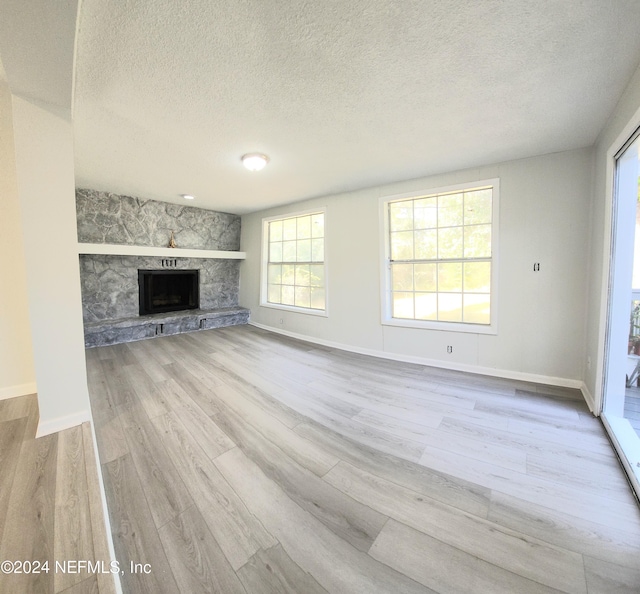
[490,371]
[19,390]
[62,423]
[588,397]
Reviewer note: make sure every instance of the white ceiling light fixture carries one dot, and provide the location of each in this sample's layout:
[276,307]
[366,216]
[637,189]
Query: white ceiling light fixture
[254,161]
[188,196]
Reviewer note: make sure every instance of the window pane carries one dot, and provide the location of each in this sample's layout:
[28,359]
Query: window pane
[477,309]
[425,213]
[450,277]
[274,293]
[402,245]
[450,243]
[304,227]
[477,241]
[275,252]
[317,298]
[303,297]
[426,245]
[425,277]
[302,275]
[316,275]
[293,242]
[426,306]
[288,274]
[450,307]
[289,251]
[304,251]
[440,256]
[402,277]
[317,225]
[289,229]
[317,250]
[401,215]
[477,277]
[450,210]
[288,295]
[403,305]
[275,231]
[275,274]
[477,207]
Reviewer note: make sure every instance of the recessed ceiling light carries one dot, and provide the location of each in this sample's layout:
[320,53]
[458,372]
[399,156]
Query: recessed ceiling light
[254,161]
[188,196]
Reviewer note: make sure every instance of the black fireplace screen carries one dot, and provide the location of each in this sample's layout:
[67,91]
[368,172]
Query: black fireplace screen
[168,290]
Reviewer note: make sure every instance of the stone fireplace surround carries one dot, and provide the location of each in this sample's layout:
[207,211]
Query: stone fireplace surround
[121,225]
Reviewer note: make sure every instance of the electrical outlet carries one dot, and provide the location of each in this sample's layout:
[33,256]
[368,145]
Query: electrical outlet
[536,266]
[449,349]
[281,321]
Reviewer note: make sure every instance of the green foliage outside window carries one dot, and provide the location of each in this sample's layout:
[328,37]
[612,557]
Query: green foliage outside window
[441,257]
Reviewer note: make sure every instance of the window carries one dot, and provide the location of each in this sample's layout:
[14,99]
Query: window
[440,266]
[294,263]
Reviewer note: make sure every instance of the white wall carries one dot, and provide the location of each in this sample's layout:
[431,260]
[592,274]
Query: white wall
[544,204]
[44,162]
[17,374]
[620,119]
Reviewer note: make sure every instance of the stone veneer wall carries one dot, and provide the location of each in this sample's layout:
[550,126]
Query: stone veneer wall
[110,283]
[104,217]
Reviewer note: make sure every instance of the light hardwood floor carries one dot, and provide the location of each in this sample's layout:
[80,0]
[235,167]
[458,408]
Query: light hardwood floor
[237,460]
[50,507]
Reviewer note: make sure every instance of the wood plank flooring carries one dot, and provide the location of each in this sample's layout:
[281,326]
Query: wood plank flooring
[50,506]
[237,460]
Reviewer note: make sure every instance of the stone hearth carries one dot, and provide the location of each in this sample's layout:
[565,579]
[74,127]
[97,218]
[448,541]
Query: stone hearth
[138,328]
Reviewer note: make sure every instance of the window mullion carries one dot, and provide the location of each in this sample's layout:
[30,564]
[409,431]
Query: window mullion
[442,260]
[467,217]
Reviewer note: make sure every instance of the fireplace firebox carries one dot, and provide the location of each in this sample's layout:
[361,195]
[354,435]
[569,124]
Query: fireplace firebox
[168,290]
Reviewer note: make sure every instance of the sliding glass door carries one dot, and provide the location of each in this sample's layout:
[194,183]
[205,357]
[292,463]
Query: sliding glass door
[621,406]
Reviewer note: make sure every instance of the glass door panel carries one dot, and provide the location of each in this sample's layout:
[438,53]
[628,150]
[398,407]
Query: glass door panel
[621,410]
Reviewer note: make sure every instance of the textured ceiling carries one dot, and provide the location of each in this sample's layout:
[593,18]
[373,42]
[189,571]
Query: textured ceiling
[340,94]
[37,40]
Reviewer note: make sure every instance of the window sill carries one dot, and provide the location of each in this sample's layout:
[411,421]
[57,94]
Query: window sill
[322,313]
[442,326]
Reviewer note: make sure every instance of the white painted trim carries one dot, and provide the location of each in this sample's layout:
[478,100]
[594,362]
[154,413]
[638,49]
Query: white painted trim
[110,249]
[489,371]
[264,263]
[588,397]
[322,313]
[386,318]
[294,214]
[621,433]
[105,510]
[19,390]
[440,326]
[614,148]
[62,423]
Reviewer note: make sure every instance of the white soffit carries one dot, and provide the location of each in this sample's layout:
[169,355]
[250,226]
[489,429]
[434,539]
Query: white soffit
[340,95]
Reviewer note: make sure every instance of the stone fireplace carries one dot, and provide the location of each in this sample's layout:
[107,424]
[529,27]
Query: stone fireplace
[134,287]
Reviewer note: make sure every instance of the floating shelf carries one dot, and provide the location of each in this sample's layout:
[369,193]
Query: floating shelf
[112,249]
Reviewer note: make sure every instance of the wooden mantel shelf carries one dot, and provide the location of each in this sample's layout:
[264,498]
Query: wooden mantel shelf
[111,249]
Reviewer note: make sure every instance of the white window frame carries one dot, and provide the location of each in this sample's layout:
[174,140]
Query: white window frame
[385,274]
[265,263]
